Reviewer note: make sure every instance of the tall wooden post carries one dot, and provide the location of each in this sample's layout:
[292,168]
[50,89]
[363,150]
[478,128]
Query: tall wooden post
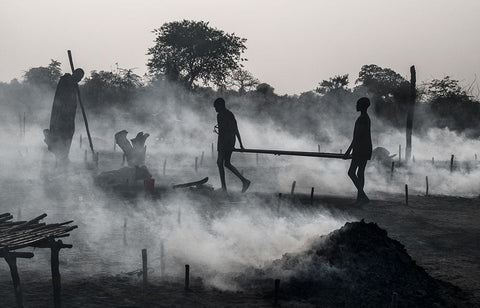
[410,111]
[144,267]
[55,263]
[12,263]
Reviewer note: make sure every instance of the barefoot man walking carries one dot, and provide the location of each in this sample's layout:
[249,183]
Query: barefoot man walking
[361,149]
[227,131]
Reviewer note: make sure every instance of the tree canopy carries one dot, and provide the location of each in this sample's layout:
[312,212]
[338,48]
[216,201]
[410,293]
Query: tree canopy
[189,51]
[44,76]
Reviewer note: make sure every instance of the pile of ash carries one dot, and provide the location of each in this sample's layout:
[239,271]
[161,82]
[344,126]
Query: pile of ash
[355,266]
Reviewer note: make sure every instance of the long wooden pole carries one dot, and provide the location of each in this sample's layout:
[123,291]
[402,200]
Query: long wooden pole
[411,106]
[293,153]
[81,105]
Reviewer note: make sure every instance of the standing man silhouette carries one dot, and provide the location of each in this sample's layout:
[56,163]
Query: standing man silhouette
[62,120]
[227,131]
[361,149]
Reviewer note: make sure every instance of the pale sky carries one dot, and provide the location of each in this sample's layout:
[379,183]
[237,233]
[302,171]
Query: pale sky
[292,45]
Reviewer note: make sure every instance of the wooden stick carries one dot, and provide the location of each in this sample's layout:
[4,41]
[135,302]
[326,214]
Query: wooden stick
[187,277]
[201,159]
[391,170]
[196,164]
[279,201]
[164,166]
[399,153]
[292,193]
[406,194]
[451,163]
[293,153]
[426,186]
[144,267]
[319,149]
[213,155]
[311,195]
[81,104]
[80,141]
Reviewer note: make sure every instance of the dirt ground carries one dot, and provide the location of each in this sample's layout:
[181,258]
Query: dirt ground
[441,233]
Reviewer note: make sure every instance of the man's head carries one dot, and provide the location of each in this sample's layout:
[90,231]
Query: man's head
[219,104]
[78,74]
[363,104]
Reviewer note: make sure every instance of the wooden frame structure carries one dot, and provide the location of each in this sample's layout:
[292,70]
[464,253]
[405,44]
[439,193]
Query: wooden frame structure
[15,235]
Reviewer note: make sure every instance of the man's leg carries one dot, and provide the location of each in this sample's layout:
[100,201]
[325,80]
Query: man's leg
[232,168]
[361,180]
[352,172]
[221,170]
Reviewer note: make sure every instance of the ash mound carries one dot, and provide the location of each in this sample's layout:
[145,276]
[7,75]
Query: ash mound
[355,266]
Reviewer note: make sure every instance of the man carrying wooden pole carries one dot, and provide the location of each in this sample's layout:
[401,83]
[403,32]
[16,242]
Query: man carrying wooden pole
[227,134]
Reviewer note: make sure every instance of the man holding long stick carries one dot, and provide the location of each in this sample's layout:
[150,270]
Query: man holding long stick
[227,133]
[62,121]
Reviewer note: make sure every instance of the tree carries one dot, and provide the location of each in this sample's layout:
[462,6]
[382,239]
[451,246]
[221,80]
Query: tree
[243,80]
[109,88]
[453,106]
[44,76]
[446,88]
[188,51]
[388,90]
[339,82]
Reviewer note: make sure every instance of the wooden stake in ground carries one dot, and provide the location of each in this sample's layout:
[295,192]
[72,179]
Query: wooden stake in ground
[426,186]
[164,166]
[187,277]
[144,267]
[411,105]
[451,163]
[196,164]
[292,192]
[279,201]
[406,194]
[311,195]
[201,158]
[399,154]
[391,170]
[319,149]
